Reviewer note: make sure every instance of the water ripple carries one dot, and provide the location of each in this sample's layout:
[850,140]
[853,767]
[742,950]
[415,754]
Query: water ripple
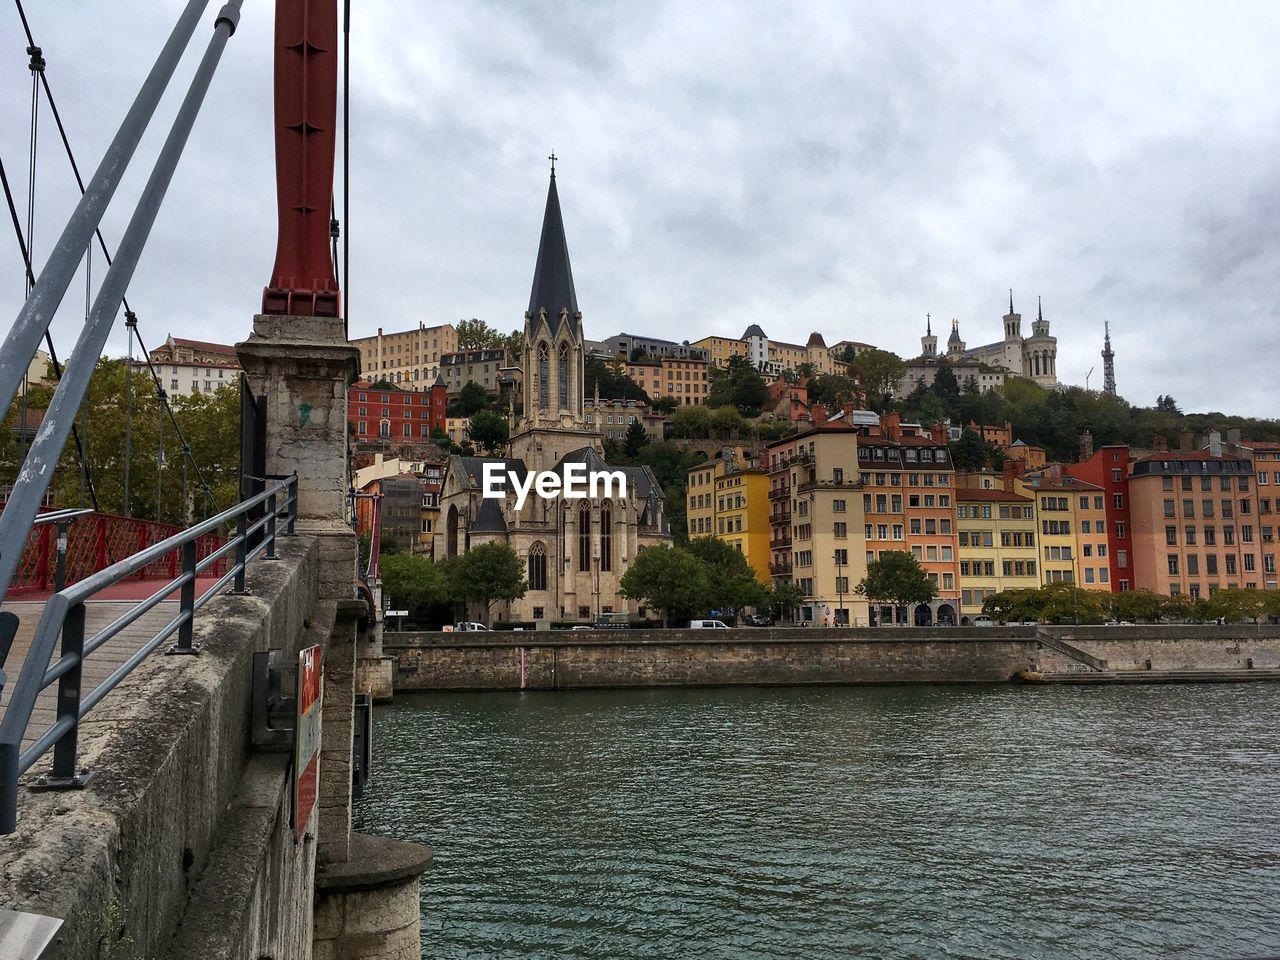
[913,822]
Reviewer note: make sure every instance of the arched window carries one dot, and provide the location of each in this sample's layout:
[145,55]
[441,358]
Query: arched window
[584,537]
[384,428]
[544,375]
[562,373]
[538,566]
[606,537]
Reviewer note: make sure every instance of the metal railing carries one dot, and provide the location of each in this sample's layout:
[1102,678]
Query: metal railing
[64,615]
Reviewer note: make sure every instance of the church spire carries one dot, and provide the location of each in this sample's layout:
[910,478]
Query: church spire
[1011,301]
[552,276]
[1039,310]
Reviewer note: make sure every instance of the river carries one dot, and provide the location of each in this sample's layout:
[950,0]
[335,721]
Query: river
[833,822]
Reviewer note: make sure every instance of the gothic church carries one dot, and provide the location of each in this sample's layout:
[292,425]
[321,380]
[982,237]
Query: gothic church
[575,551]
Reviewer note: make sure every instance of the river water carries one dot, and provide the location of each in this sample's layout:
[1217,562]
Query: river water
[825,822]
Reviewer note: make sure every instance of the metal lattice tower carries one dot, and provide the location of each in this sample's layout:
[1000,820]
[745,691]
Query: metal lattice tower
[1108,364]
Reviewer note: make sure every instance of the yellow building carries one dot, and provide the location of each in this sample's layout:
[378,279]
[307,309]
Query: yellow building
[997,532]
[720,349]
[410,359]
[700,512]
[684,379]
[1073,529]
[742,516]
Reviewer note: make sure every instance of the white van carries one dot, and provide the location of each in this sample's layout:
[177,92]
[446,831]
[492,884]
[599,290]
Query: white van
[707,625]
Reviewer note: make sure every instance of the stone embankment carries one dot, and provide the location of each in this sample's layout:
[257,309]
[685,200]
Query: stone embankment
[778,656]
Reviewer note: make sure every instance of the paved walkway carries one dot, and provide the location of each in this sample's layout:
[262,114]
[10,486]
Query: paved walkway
[98,665]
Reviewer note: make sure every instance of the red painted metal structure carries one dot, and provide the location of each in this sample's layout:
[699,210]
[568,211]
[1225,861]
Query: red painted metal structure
[303,282]
[97,540]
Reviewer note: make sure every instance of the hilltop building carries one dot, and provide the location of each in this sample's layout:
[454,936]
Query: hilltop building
[575,551]
[1034,357]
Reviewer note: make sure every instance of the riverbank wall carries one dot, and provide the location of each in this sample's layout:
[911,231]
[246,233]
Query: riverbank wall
[784,656]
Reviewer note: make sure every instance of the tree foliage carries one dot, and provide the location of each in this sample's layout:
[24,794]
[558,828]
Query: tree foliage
[614,384]
[669,579]
[488,430]
[475,334]
[739,385]
[896,578]
[487,573]
[414,583]
[879,372]
[636,439]
[471,399]
[732,583]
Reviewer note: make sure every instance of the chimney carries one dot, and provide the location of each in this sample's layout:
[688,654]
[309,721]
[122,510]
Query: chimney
[1160,444]
[1086,446]
[938,432]
[1233,436]
[891,425]
[1215,443]
[1186,440]
[1013,470]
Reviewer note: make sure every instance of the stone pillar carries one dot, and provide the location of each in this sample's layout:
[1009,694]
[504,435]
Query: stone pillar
[303,365]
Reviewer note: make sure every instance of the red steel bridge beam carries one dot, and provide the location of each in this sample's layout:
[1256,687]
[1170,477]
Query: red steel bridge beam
[306,93]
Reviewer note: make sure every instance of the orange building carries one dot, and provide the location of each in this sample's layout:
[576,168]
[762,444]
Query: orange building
[1195,520]
[684,379]
[1033,456]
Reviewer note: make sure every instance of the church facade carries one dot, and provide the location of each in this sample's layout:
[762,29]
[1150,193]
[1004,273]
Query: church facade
[1034,357]
[575,550]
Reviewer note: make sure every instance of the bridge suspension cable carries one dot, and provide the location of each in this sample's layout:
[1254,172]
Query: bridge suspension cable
[22,506]
[131,320]
[37,311]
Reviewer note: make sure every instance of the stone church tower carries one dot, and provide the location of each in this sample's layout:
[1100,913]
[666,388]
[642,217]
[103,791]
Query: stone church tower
[552,422]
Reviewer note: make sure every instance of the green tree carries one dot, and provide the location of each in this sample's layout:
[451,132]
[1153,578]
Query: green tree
[732,583]
[475,334]
[738,384]
[1237,604]
[1166,404]
[784,598]
[614,384]
[487,573]
[472,398]
[896,578]
[969,453]
[414,583]
[1136,606]
[692,422]
[668,579]
[1014,606]
[667,405]
[636,439]
[488,430]
[879,372]
[945,385]
[514,344]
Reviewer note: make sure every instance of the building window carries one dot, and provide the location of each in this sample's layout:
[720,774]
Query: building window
[538,567]
[606,537]
[544,375]
[562,375]
[584,537]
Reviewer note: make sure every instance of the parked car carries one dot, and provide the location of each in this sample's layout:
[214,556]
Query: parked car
[469,625]
[758,620]
[982,620]
[708,625]
[582,626]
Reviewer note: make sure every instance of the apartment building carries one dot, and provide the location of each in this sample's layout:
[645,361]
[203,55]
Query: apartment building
[628,345]
[1108,468]
[189,367]
[816,517]
[1196,523]
[1074,547]
[997,542]
[700,511]
[394,415]
[686,380]
[615,417]
[908,484]
[742,515]
[484,367]
[720,349]
[409,358]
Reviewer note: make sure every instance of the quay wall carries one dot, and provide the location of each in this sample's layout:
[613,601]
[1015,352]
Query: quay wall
[781,656]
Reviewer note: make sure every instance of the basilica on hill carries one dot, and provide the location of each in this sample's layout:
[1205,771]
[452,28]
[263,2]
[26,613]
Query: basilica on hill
[575,550]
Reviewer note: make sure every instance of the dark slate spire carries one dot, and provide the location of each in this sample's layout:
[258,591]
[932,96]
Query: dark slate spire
[1011,301]
[552,277]
[1039,310]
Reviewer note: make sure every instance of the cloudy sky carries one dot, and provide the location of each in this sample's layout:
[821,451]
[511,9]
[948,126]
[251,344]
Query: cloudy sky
[842,167]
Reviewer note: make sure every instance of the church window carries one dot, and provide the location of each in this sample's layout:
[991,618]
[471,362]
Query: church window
[562,375]
[538,566]
[544,375]
[584,537]
[606,538]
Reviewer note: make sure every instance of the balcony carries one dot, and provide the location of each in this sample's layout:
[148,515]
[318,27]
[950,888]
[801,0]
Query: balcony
[780,517]
[780,493]
[780,542]
[781,568]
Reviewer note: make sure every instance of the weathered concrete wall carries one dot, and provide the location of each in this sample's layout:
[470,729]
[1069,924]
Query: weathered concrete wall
[171,799]
[551,661]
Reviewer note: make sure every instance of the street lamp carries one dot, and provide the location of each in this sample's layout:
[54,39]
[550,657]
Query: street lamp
[595,561]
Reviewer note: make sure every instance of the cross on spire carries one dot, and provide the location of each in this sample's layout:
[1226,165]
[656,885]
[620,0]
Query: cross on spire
[553,158]
[928,324]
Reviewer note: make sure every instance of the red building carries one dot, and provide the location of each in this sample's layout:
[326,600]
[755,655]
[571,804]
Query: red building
[1109,469]
[389,413]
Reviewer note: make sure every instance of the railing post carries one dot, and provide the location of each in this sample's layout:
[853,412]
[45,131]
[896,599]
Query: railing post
[293,504]
[271,527]
[65,776]
[60,571]
[8,788]
[242,544]
[187,601]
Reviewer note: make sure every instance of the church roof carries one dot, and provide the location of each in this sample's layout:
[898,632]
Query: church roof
[815,340]
[754,331]
[489,517]
[552,276]
[640,480]
[473,467]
